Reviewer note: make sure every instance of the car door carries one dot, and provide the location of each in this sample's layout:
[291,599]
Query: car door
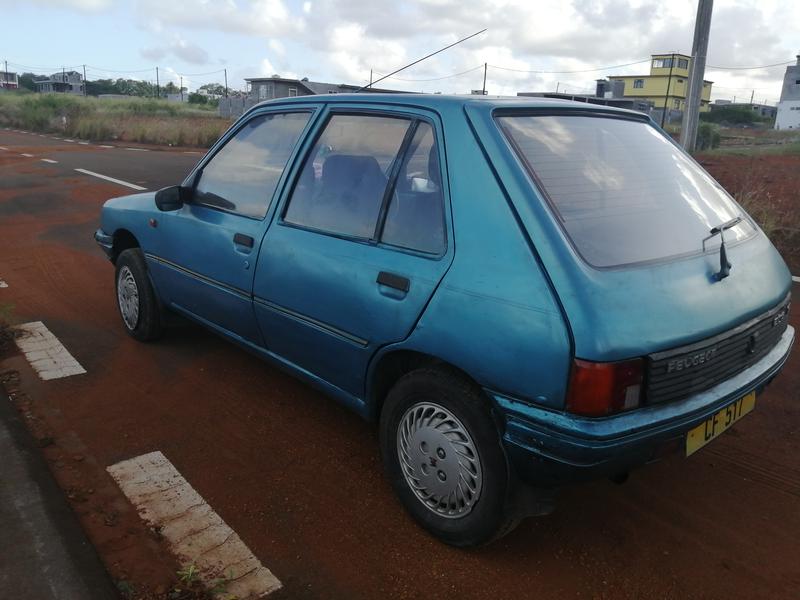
[359,244]
[210,245]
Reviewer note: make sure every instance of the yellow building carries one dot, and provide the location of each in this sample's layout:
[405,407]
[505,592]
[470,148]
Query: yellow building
[668,83]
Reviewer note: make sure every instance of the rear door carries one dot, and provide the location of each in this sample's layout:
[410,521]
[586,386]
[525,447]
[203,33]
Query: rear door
[361,241]
[209,249]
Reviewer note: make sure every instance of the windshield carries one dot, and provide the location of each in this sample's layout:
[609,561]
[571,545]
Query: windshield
[622,191]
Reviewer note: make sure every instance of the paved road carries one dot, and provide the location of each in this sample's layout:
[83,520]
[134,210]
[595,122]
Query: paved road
[299,478]
[143,166]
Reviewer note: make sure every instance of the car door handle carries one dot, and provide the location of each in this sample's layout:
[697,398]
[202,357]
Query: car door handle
[241,239]
[393,280]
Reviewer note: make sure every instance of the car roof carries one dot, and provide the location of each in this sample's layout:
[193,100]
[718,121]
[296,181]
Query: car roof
[442,101]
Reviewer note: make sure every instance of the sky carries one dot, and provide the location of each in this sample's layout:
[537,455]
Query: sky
[529,45]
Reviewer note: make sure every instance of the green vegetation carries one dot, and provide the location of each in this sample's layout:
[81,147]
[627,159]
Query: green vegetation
[733,115]
[144,120]
[707,136]
[787,149]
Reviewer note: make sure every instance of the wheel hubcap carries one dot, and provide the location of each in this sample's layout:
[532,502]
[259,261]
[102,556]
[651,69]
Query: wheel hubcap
[128,297]
[439,460]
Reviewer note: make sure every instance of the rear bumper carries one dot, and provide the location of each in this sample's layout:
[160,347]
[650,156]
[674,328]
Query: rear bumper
[549,448]
[105,241]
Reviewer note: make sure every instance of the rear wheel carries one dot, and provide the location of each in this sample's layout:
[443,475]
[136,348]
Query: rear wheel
[136,299]
[443,455]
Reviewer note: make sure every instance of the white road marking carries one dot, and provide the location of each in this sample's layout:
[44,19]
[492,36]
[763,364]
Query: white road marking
[50,160]
[47,355]
[111,179]
[3,148]
[84,143]
[55,138]
[192,152]
[197,535]
[795,278]
[138,149]
[71,141]
[3,284]
[105,146]
[26,154]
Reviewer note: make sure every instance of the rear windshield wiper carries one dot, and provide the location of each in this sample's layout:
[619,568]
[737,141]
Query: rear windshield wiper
[724,265]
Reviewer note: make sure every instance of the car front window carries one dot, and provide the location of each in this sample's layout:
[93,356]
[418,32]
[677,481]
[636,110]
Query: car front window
[243,175]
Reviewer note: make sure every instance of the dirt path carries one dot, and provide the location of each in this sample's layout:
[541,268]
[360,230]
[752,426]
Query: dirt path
[298,477]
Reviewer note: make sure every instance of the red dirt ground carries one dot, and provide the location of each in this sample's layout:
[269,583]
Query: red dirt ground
[298,477]
[775,180]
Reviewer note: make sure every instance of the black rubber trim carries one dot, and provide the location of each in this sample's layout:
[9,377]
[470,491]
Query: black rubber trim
[305,319]
[243,240]
[203,278]
[392,280]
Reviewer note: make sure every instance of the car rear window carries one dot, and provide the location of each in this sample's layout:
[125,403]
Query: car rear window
[623,192]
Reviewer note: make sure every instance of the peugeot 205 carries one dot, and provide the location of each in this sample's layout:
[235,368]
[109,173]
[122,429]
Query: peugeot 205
[521,293]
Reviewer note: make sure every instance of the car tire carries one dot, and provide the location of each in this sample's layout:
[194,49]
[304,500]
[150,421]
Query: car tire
[136,298]
[436,427]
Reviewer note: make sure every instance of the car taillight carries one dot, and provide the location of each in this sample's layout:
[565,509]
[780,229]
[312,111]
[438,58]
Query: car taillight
[599,389]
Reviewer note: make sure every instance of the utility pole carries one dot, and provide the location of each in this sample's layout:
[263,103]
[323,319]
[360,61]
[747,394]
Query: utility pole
[84,81]
[558,83]
[370,79]
[485,67]
[226,82]
[158,87]
[702,26]
[669,81]
[753,93]
[181,88]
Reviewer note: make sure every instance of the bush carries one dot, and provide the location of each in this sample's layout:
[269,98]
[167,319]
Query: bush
[146,120]
[707,136]
[733,115]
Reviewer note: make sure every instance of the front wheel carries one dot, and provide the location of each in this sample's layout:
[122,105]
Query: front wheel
[443,455]
[136,299]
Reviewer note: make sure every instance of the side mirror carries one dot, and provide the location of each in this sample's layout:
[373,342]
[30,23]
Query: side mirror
[170,198]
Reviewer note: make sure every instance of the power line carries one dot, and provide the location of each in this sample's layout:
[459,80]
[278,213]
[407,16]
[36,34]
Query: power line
[59,68]
[780,64]
[150,70]
[436,78]
[638,62]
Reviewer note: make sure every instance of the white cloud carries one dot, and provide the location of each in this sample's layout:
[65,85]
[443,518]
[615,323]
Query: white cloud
[80,5]
[178,48]
[277,47]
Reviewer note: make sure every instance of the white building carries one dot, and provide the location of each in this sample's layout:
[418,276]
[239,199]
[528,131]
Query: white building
[789,106]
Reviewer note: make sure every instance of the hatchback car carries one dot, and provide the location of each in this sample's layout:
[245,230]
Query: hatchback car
[522,293]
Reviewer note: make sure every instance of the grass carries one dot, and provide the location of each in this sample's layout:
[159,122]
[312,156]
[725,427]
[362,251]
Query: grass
[142,120]
[789,149]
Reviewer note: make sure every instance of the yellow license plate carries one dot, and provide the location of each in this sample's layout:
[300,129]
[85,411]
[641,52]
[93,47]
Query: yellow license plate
[717,424]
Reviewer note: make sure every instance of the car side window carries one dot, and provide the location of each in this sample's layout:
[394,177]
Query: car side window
[342,184]
[243,175]
[415,218]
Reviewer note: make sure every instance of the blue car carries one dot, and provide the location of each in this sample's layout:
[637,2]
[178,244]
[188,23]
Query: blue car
[521,293]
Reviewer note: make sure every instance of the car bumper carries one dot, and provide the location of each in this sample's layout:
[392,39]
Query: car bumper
[105,241]
[550,448]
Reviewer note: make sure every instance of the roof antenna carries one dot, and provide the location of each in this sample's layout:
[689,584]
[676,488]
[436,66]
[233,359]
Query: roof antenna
[419,60]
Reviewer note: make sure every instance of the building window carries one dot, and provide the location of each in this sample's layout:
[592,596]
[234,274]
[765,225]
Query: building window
[676,103]
[680,80]
[683,63]
[638,83]
[661,63]
[292,92]
[797,82]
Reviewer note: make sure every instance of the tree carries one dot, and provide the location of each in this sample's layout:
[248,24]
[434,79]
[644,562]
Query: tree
[213,89]
[26,80]
[195,98]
